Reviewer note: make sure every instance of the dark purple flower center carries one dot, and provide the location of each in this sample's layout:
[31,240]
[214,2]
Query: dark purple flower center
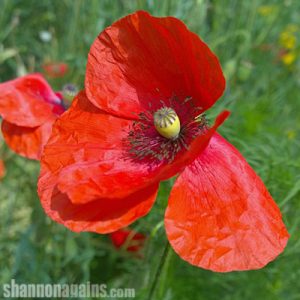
[145,143]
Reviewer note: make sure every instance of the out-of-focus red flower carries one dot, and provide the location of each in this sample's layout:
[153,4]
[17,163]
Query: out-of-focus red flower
[28,107]
[2,169]
[141,120]
[55,69]
[128,239]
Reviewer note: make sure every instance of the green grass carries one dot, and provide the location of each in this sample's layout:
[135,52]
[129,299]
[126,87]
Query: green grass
[262,94]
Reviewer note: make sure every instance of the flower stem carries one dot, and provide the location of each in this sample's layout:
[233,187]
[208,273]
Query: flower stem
[159,270]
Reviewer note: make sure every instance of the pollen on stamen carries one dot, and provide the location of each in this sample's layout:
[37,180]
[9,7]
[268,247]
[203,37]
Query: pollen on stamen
[146,140]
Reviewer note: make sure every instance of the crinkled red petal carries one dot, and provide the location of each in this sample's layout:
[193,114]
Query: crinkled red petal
[28,101]
[101,215]
[220,215]
[27,141]
[141,59]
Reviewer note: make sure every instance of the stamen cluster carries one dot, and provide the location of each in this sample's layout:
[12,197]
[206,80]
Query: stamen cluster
[145,143]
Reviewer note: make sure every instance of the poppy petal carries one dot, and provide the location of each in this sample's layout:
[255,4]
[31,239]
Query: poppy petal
[128,239]
[101,216]
[142,59]
[27,141]
[55,69]
[87,150]
[220,215]
[28,101]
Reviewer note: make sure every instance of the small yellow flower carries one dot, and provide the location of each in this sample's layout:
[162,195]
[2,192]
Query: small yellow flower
[267,10]
[288,58]
[291,134]
[288,38]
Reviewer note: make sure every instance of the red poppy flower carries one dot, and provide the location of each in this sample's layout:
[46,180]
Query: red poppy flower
[141,120]
[2,169]
[28,107]
[55,69]
[128,239]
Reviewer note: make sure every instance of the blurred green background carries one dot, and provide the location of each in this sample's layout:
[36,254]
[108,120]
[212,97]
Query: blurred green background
[258,43]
